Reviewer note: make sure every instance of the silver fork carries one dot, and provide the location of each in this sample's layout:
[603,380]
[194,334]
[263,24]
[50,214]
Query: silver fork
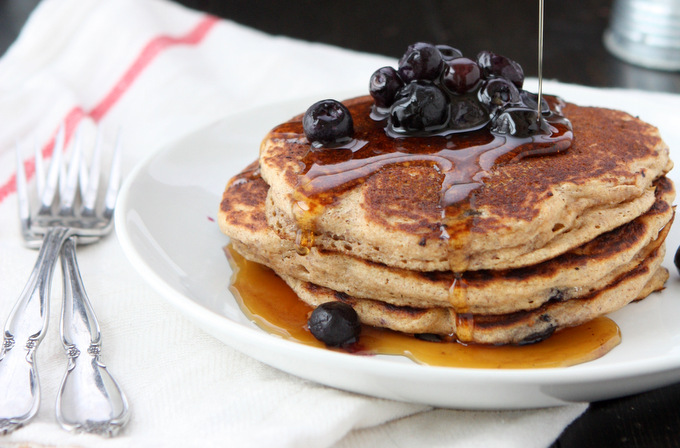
[89,399]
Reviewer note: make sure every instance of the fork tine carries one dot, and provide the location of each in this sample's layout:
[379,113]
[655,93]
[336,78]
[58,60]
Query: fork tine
[114,178]
[53,174]
[62,177]
[82,175]
[22,191]
[68,182]
[39,169]
[92,182]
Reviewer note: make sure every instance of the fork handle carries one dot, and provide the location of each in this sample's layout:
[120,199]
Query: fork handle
[89,398]
[25,328]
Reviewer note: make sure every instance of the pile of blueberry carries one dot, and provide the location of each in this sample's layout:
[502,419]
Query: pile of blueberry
[437,91]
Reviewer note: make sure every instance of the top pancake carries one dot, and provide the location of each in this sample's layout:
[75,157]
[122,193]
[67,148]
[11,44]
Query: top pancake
[518,212]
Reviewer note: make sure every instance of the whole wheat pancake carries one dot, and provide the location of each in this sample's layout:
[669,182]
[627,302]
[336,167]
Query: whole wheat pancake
[389,209]
[513,328]
[573,274]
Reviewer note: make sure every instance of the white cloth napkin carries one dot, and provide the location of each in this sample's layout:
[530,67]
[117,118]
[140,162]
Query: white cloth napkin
[160,71]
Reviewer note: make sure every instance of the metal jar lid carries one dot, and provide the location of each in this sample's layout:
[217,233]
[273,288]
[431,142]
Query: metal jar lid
[645,33]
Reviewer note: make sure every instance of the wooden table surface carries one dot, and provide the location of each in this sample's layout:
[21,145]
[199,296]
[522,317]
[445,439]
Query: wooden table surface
[573,53]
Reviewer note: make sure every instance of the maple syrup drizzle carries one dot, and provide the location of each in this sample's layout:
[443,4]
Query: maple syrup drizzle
[458,293]
[274,307]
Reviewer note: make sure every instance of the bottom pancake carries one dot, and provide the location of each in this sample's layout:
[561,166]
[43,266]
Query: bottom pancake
[514,328]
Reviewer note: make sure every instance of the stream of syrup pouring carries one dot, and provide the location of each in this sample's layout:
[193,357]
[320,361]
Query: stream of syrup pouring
[540,58]
[269,302]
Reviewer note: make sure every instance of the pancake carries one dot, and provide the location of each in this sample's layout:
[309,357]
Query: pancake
[574,274]
[513,328]
[389,210]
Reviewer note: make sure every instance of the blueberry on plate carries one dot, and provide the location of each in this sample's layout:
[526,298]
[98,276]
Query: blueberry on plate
[428,337]
[335,323]
[328,122]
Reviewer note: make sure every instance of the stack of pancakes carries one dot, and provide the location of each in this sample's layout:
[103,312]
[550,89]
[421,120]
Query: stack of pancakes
[536,244]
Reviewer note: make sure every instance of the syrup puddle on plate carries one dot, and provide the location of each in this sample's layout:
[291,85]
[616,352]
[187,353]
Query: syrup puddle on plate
[268,301]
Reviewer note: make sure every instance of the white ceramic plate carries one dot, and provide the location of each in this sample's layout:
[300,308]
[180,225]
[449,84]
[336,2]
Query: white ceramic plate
[165,223]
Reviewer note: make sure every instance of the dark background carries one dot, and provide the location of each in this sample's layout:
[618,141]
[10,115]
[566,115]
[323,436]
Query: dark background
[573,52]
[573,49]
[573,31]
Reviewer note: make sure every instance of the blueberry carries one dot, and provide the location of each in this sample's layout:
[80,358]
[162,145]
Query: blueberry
[429,337]
[530,100]
[384,85]
[335,323]
[419,107]
[499,92]
[421,61]
[519,122]
[467,113]
[494,66]
[676,260]
[328,122]
[449,53]
[460,75]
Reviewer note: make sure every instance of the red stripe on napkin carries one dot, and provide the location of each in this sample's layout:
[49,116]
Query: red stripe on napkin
[75,115]
[149,52]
